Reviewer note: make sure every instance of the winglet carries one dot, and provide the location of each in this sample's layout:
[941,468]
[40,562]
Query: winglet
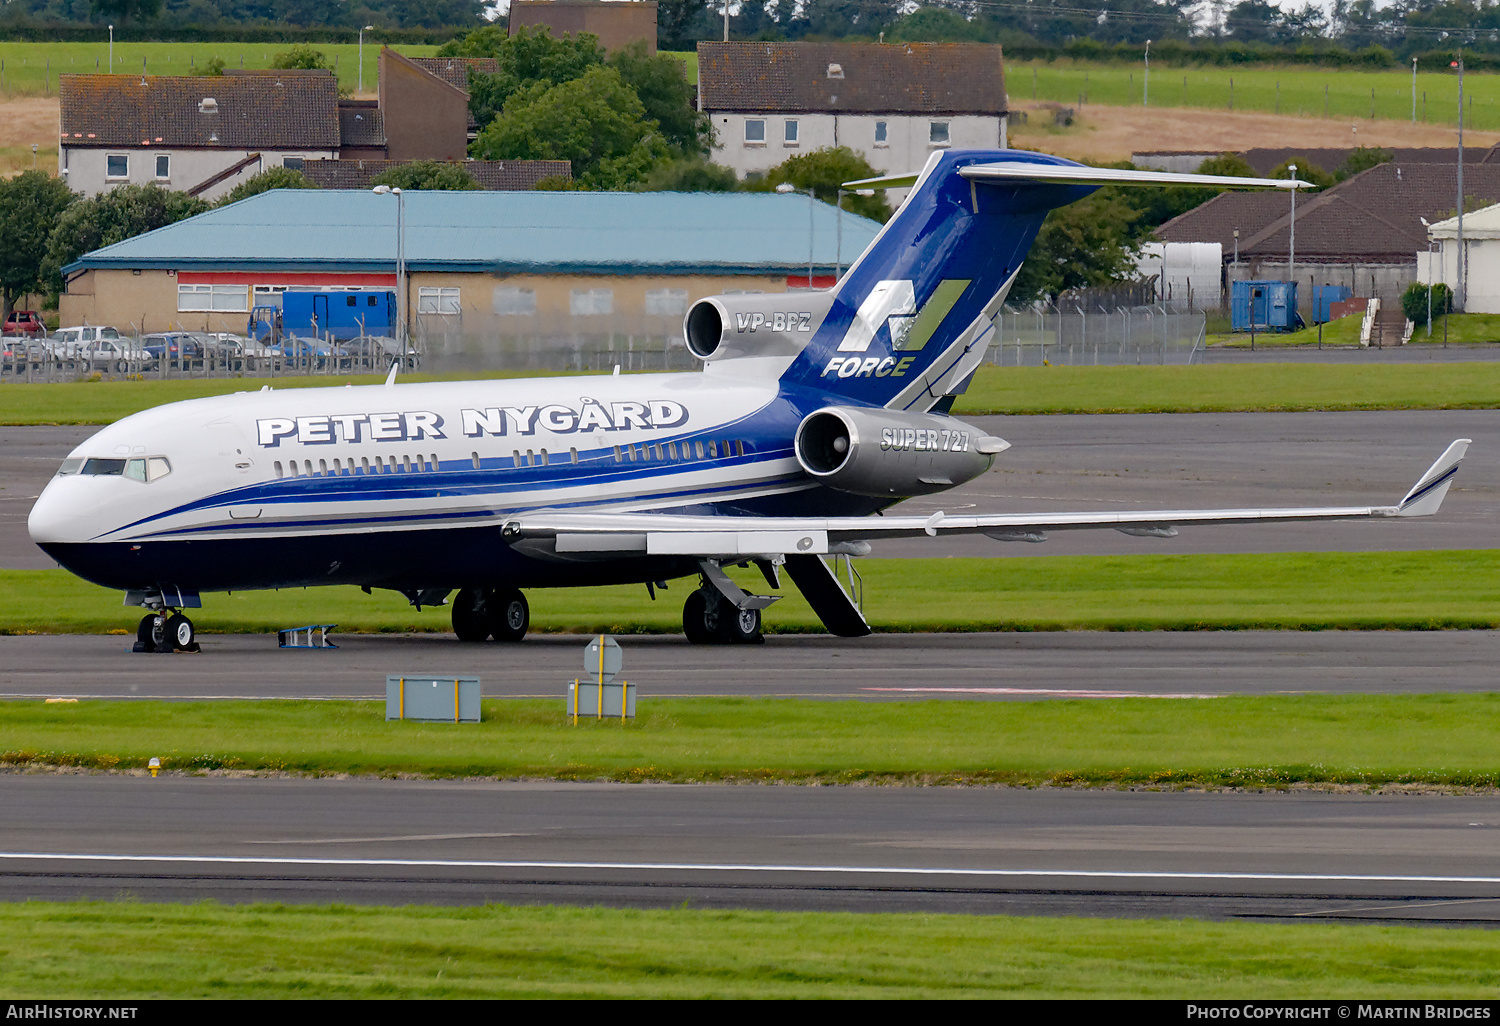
[1427,494]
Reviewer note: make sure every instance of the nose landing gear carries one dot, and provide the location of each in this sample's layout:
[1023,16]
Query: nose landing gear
[165,631]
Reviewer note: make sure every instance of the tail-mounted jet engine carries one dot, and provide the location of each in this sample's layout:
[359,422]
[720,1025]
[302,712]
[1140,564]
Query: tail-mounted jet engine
[891,453]
[774,324]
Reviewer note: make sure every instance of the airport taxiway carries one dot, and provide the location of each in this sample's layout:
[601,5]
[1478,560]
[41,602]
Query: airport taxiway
[1305,855]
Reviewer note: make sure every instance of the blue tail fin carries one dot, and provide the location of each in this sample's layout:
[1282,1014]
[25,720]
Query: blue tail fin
[911,320]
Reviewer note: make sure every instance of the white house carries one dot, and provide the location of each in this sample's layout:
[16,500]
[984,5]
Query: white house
[893,103]
[1482,243]
[199,135]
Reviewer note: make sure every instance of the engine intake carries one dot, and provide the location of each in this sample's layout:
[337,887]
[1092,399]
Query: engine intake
[890,453]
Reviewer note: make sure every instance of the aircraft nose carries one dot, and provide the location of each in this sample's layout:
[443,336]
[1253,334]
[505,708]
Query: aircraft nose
[56,517]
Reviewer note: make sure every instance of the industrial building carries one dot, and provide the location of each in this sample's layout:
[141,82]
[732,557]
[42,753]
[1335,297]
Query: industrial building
[486,272]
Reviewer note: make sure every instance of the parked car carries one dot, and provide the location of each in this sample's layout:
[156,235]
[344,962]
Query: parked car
[118,354]
[239,353]
[176,346]
[311,352]
[377,352]
[67,343]
[23,350]
[24,322]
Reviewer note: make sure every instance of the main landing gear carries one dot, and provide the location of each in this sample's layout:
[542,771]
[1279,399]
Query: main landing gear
[483,613]
[708,618]
[165,631]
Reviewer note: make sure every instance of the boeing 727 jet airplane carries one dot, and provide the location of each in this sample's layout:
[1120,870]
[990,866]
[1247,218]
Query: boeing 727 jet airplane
[813,412]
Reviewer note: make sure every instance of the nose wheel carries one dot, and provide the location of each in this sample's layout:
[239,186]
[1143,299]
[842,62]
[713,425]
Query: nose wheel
[166,631]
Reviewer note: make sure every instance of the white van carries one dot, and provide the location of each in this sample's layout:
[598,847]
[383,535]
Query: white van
[68,343]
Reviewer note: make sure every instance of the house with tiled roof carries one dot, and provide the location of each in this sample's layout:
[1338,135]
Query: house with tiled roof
[455,71]
[197,135]
[893,103]
[1364,233]
[206,135]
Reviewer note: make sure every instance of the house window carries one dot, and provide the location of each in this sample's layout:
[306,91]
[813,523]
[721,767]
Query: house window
[269,295]
[666,302]
[791,132]
[163,165]
[937,133]
[755,131]
[514,302]
[225,298]
[591,302]
[117,165]
[295,163]
[437,300]
[882,133]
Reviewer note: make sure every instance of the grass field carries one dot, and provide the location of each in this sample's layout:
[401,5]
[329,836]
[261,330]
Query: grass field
[1231,741]
[32,68]
[1178,389]
[1291,90]
[1308,590]
[131,950]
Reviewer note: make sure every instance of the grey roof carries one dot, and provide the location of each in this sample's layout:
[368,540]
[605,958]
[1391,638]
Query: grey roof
[864,78]
[503,232]
[261,111]
[1376,215]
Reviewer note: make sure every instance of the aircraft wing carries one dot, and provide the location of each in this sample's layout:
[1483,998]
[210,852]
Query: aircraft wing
[582,536]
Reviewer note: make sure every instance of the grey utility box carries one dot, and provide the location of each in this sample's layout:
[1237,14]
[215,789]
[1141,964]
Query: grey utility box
[585,699]
[432,699]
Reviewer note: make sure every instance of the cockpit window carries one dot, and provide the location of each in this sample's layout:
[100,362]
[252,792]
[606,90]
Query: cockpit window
[140,469]
[103,468]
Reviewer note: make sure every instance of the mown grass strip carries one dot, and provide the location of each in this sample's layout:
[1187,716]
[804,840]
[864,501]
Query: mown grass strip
[132,950]
[1296,590]
[1225,388]
[1232,741]
[1216,388]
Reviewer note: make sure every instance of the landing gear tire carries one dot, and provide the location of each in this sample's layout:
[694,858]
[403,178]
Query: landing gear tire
[179,633]
[509,615]
[709,619]
[739,626]
[150,633]
[470,614]
[700,618]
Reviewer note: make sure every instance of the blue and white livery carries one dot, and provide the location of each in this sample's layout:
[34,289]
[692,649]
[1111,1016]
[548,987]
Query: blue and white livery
[812,412]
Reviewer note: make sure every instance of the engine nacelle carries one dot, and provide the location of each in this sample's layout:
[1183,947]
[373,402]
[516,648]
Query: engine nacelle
[891,453]
[765,324]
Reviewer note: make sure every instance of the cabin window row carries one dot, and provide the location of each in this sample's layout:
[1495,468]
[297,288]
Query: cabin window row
[664,452]
[366,465]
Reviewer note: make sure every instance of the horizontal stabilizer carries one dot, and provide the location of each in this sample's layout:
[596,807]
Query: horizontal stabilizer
[1063,174]
[1427,494]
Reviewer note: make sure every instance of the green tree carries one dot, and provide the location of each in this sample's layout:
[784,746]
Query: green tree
[825,171]
[690,174]
[125,9]
[122,213]
[211,68]
[265,181]
[530,57]
[596,121]
[438,175]
[306,58]
[1087,243]
[662,86]
[1414,302]
[1307,171]
[1360,159]
[30,204]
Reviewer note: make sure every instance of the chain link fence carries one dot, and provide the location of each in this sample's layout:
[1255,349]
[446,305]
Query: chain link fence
[1140,335]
